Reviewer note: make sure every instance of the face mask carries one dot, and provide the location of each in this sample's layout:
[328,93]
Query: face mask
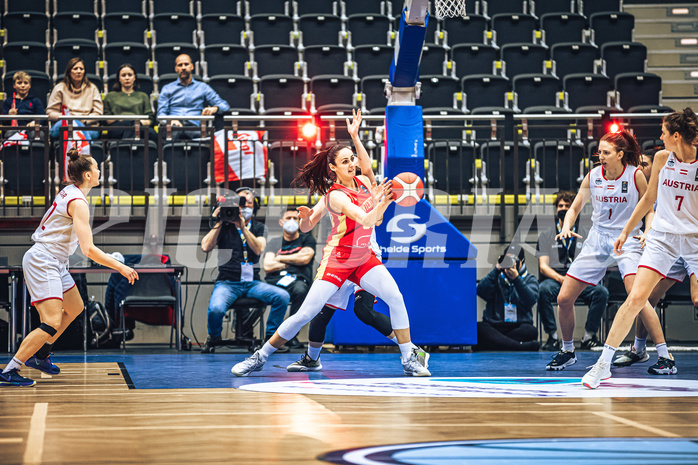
[247,213]
[561,215]
[291,226]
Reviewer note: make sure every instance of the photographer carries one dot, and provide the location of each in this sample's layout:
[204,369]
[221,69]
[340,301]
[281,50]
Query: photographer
[242,240]
[510,293]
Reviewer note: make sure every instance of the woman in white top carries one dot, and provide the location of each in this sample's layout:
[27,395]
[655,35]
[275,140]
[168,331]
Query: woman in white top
[46,275]
[615,187]
[674,234]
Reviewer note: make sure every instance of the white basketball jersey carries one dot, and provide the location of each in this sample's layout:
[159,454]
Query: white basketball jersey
[677,201]
[56,231]
[613,200]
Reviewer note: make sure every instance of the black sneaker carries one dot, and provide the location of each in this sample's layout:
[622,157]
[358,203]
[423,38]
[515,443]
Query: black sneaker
[552,345]
[664,366]
[589,343]
[630,357]
[561,361]
[305,364]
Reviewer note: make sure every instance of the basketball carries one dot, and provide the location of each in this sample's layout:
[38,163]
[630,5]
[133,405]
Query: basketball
[408,189]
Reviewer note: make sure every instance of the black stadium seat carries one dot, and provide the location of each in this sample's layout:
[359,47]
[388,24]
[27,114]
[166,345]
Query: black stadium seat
[31,56]
[573,58]
[217,29]
[439,92]
[624,57]
[562,27]
[221,7]
[320,29]
[226,59]
[612,27]
[118,53]
[271,29]
[585,89]
[523,58]
[374,96]
[474,59]
[484,90]
[236,90]
[513,28]
[282,91]
[172,28]
[536,90]
[75,26]
[125,27]
[26,27]
[462,30]
[317,7]
[276,59]
[368,29]
[332,89]
[635,89]
[325,59]
[373,59]
[66,49]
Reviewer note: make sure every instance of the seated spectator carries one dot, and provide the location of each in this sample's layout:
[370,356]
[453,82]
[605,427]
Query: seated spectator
[509,292]
[77,95]
[125,99]
[288,263]
[21,102]
[554,259]
[188,97]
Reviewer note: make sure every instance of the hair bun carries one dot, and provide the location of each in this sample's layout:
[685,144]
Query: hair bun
[73,154]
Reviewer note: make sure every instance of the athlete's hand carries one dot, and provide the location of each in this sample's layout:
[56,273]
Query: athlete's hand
[618,244]
[377,192]
[387,191]
[129,273]
[304,212]
[642,238]
[566,233]
[353,127]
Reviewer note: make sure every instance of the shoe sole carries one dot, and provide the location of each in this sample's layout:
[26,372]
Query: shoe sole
[561,367]
[4,383]
[301,369]
[588,386]
[663,372]
[630,362]
[44,371]
[242,375]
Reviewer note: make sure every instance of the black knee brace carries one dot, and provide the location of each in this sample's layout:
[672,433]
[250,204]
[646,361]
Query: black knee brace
[51,331]
[363,308]
[318,325]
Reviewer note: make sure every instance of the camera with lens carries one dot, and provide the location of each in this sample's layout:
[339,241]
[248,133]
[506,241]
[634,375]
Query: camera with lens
[230,207]
[512,257]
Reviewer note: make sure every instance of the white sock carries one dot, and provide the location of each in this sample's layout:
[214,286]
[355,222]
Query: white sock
[587,336]
[662,350]
[394,339]
[267,349]
[568,346]
[640,344]
[405,350]
[14,364]
[607,354]
[314,352]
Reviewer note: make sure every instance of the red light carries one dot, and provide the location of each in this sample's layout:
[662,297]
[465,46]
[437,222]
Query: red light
[309,130]
[614,127]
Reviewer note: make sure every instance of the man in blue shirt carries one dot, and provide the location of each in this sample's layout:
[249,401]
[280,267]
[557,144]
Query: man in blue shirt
[187,97]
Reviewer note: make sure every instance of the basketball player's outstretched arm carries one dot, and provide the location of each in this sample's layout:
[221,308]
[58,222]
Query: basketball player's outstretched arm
[309,217]
[646,202]
[364,160]
[341,203]
[571,216]
[81,222]
[641,184]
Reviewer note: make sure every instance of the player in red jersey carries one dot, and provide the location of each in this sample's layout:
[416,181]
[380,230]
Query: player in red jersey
[355,207]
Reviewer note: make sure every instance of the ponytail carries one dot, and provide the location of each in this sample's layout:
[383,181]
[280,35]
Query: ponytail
[626,142]
[316,174]
[684,122]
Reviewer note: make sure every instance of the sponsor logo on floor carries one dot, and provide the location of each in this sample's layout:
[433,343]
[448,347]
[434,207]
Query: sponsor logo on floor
[587,451]
[484,387]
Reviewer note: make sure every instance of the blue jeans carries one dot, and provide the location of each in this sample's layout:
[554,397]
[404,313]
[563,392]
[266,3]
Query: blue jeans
[89,135]
[595,297]
[225,293]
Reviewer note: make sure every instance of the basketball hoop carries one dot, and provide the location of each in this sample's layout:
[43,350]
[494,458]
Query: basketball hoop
[450,8]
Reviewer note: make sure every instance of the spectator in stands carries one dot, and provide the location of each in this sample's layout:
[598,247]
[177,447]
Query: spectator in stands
[288,263]
[241,240]
[554,259]
[125,99]
[510,293]
[188,97]
[21,102]
[77,95]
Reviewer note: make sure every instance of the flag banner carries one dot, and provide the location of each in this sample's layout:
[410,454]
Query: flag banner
[246,155]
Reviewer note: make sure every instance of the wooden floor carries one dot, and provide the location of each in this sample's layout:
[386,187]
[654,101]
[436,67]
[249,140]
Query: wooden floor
[91,414]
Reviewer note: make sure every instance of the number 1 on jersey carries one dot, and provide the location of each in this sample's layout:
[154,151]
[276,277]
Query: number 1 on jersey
[610,212]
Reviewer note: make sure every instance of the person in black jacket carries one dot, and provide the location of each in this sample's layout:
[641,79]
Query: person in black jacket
[510,293]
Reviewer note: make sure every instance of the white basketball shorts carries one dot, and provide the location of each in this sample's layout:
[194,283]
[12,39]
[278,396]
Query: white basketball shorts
[662,250]
[45,276]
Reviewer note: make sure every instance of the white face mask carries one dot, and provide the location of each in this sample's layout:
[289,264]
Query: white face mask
[247,213]
[291,226]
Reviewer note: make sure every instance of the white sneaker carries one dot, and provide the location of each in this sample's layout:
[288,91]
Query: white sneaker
[422,356]
[255,362]
[599,372]
[412,367]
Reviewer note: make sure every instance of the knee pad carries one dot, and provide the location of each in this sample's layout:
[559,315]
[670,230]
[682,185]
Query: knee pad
[51,331]
[318,325]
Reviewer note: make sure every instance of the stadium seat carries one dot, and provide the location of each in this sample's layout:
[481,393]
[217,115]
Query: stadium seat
[135,7]
[562,27]
[32,56]
[500,155]
[542,7]
[271,30]
[555,130]
[589,7]
[365,7]
[125,27]
[624,57]
[484,127]
[452,163]
[176,7]
[330,89]
[268,7]
[484,90]
[75,26]
[145,83]
[226,59]
[373,59]
[23,169]
[282,91]
[187,165]
[559,164]
[276,59]
[573,58]
[469,29]
[369,29]
[433,59]
[583,89]
[635,89]
[28,6]
[166,54]
[514,28]
[474,59]
[221,7]
[26,27]
[326,59]
[118,53]
[174,28]
[66,49]
[41,84]
[75,6]
[219,29]
[317,7]
[372,88]
[495,7]
[288,157]
[648,130]
[444,130]
[320,29]
[523,59]
[536,90]
[439,92]
[238,91]
[612,27]
[133,163]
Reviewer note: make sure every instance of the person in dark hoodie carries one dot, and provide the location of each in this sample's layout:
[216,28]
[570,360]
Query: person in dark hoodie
[509,292]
